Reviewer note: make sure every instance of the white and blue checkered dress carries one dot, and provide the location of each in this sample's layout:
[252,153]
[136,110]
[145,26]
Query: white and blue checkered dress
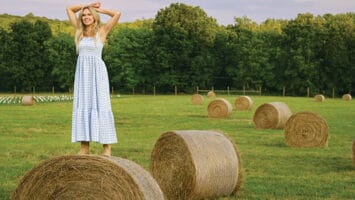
[92,118]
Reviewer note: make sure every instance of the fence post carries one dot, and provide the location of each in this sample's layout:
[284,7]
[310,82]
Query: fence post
[33,90]
[133,91]
[15,89]
[244,90]
[53,90]
[307,91]
[333,93]
[175,90]
[154,90]
[112,90]
[196,89]
[260,90]
[283,91]
[228,90]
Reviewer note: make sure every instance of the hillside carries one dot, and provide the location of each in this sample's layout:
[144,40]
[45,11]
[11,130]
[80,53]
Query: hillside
[57,26]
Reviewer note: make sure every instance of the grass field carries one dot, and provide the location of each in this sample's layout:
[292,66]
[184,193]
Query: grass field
[272,170]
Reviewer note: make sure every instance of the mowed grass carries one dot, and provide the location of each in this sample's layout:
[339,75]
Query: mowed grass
[272,170]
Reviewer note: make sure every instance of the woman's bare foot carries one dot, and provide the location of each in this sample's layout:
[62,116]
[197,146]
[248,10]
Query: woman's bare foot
[84,148]
[107,150]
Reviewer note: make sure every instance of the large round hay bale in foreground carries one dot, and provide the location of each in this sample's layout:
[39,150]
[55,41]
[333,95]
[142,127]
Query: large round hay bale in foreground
[319,98]
[196,164]
[28,100]
[306,129]
[273,115]
[197,99]
[347,97]
[211,94]
[219,108]
[87,177]
[243,103]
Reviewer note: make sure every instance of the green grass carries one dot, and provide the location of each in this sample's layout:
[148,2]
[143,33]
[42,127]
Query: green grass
[272,170]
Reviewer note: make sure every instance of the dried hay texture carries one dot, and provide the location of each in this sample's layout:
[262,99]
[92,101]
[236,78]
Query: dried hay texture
[211,94]
[197,99]
[306,129]
[219,108]
[196,164]
[354,153]
[319,98]
[28,100]
[87,177]
[273,115]
[347,97]
[243,103]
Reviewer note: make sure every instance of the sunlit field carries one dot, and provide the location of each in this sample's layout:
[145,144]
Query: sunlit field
[272,170]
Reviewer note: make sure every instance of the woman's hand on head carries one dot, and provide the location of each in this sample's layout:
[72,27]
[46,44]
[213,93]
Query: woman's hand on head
[95,5]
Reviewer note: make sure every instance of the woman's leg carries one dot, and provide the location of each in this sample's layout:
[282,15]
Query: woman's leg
[107,149]
[84,148]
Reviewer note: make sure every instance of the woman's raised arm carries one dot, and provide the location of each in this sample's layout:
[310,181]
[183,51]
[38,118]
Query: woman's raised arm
[115,16]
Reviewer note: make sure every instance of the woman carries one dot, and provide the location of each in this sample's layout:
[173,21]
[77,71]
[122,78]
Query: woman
[92,118]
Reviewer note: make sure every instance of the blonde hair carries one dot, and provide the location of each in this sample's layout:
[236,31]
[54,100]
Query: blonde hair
[79,34]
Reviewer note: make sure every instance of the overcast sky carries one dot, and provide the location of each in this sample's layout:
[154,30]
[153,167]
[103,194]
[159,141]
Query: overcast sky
[222,10]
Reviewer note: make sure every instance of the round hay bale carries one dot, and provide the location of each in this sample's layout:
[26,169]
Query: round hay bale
[273,115]
[243,103]
[197,99]
[28,100]
[319,98]
[196,164]
[219,108]
[211,94]
[87,177]
[347,97]
[306,129]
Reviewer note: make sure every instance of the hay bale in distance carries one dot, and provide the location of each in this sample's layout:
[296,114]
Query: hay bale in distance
[197,99]
[87,177]
[347,97]
[273,115]
[306,129]
[319,98]
[196,164]
[28,100]
[219,108]
[243,103]
[211,94]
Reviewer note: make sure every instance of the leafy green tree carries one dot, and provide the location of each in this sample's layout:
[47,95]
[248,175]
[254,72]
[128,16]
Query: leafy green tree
[338,53]
[301,40]
[182,36]
[28,68]
[61,53]
[128,58]
[5,49]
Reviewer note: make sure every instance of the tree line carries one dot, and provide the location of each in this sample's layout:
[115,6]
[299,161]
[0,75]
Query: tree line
[184,47]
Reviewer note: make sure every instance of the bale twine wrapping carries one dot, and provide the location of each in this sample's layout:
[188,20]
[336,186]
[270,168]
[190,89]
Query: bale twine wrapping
[243,103]
[219,108]
[28,100]
[347,97]
[306,129]
[211,94]
[87,177]
[273,115]
[197,99]
[196,164]
[319,98]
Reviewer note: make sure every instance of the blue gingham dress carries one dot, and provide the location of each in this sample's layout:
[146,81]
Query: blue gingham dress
[92,117]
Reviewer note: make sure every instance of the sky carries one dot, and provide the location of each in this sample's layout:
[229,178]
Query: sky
[223,11]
